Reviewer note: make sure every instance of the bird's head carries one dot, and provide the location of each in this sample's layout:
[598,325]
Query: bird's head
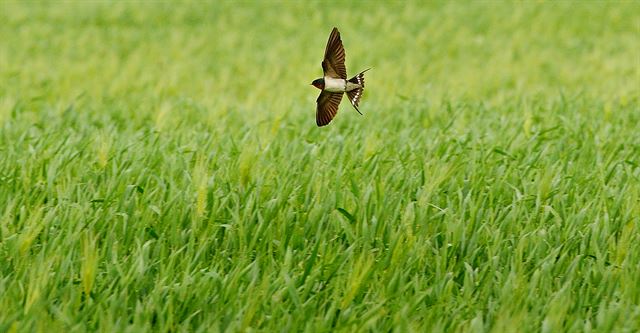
[318,83]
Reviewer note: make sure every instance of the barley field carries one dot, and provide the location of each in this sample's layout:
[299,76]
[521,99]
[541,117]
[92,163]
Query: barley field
[161,170]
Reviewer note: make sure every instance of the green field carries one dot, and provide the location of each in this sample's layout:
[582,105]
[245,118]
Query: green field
[161,170]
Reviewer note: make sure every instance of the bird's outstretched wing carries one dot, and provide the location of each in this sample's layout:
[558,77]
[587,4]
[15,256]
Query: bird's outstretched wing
[327,107]
[333,63]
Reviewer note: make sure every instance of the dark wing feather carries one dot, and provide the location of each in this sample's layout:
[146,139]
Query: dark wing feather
[327,107]
[333,63]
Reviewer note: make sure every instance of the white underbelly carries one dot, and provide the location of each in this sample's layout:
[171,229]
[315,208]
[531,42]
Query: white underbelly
[334,85]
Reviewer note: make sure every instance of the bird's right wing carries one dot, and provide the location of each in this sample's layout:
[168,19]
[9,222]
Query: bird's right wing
[327,107]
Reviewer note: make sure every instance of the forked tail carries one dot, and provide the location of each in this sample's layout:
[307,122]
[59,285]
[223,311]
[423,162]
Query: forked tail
[355,94]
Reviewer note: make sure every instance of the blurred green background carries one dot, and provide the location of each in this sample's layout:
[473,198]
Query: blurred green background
[160,167]
[243,57]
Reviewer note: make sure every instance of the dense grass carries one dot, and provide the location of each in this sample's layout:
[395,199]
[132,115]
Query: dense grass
[160,168]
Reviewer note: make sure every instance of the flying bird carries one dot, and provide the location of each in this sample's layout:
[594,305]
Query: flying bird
[334,83]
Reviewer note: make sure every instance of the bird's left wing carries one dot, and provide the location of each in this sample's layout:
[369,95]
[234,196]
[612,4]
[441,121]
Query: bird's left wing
[333,63]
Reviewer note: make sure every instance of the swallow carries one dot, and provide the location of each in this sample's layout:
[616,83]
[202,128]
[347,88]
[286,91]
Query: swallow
[334,83]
